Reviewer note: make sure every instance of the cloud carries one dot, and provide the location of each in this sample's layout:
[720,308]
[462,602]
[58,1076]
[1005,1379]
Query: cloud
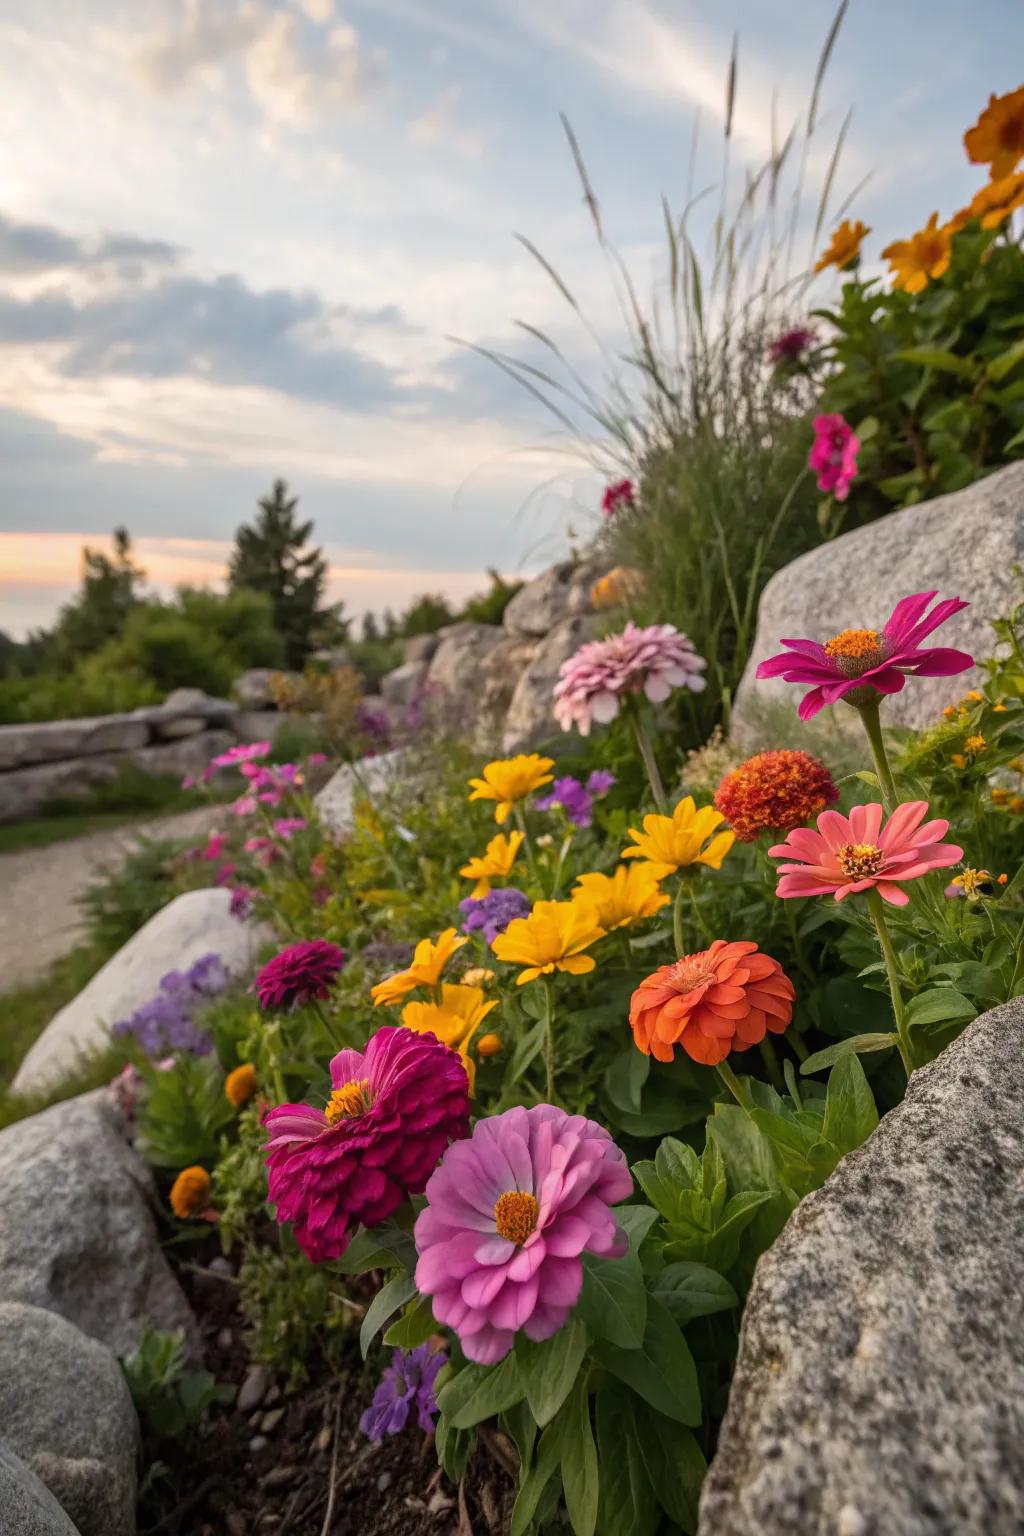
[298,69]
[37,248]
[439,124]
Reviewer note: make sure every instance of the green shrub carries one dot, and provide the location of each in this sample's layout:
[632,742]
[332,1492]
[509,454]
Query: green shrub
[124,897]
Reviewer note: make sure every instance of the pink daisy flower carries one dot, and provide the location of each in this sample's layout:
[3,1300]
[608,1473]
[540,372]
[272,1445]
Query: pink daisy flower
[857,659]
[833,455]
[244,752]
[299,974]
[620,494]
[508,1214]
[651,661]
[855,853]
[392,1111]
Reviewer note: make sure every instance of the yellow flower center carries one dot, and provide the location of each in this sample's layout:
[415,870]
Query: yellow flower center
[515,1216]
[860,860]
[691,971]
[349,1100]
[855,651]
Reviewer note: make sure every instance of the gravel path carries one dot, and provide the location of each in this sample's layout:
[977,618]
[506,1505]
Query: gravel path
[39,921]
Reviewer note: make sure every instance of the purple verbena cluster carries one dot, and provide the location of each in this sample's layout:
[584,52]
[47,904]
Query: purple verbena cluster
[493,913]
[167,1022]
[406,1386]
[576,799]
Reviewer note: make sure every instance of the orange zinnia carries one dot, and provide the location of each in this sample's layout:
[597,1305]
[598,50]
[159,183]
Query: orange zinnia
[924,256]
[997,138]
[720,1000]
[992,203]
[844,247]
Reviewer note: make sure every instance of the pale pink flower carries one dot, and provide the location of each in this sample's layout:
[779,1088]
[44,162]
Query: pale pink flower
[650,661]
[833,456]
[855,853]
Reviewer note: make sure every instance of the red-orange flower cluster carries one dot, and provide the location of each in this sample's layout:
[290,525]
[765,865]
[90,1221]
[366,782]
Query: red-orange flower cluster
[721,1000]
[774,791]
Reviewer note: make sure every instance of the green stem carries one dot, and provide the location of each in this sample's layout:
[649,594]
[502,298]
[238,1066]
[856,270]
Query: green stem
[328,1026]
[734,1085]
[677,918]
[650,762]
[627,949]
[892,971]
[549,1038]
[560,864]
[771,1062]
[520,820]
[873,727]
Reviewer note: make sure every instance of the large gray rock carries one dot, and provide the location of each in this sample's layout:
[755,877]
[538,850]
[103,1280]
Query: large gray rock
[253,688]
[964,545]
[187,711]
[67,1412]
[559,593]
[196,923]
[879,1388]
[336,802]
[77,1234]
[51,740]
[503,668]
[530,720]
[27,1507]
[457,666]
[400,686]
[419,647]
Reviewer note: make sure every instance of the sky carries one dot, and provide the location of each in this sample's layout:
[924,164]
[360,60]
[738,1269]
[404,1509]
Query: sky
[250,239]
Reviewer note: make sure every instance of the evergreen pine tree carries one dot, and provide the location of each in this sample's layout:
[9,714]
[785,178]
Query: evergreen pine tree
[271,556]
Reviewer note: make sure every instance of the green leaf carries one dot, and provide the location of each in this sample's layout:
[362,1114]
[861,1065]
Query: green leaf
[940,359]
[627,1501]
[850,1113]
[414,1327]
[480,1391]
[674,1463]
[938,1005]
[867,777]
[857,1045]
[580,1479]
[998,367]
[526,1051]
[548,1370]
[531,1488]
[613,1301]
[636,1221]
[453,1447]
[638,1068]
[384,1305]
[386,1247]
[688,1290]
[661,1370]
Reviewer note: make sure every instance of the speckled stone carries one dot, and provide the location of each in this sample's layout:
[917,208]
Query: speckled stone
[879,1388]
[963,545]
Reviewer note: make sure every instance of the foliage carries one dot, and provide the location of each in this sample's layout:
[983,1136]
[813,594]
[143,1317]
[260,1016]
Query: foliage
[123,897]
[109,593]
[170,1398]
[183,1112]
[490,606]
[271,557]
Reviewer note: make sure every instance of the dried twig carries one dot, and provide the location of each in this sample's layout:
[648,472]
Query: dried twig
[465,1527]
[332,1489]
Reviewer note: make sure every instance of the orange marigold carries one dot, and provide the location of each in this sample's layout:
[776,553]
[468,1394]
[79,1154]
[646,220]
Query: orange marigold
[774,791]
[844,247]
[997,138]
[992,203]
[190,1193]
[240,1085]
[925,256]
[720,1000]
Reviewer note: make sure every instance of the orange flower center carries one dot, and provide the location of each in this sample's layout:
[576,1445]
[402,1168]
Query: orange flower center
[855,651]
[349,1100]
[690,972]
[860,860]
[515,1216]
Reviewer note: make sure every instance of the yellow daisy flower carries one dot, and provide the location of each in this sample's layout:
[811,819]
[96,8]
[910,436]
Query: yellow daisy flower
[552,938]
[428,961]
[454,1020]
[844,247]
[495,864]
[624,897]
[510,779]
[924,256]
[668,843]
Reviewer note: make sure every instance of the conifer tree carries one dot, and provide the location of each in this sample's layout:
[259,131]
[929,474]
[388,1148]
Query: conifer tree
[271,556]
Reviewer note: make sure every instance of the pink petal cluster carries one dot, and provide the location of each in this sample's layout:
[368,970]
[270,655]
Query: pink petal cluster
[508,1214]
[620,494]
[863,658]
[790,346]
[651,661]
[234,757]
[393,1110]
[833,455]
[855,853]
[299,974]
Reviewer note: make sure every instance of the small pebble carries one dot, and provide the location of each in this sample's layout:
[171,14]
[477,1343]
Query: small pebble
[384,1482]
[221,1266]
[324,1438]
[254,1388]
[258,1442]
[278,1477]
[271,1420]
[272,1396]
[225,1339]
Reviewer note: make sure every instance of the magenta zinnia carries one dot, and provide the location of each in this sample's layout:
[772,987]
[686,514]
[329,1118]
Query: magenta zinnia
[833,455]
[299,974]
[508,1214]
[392,1111]
[859,659]
[619,494]
[650,661]
[855,853]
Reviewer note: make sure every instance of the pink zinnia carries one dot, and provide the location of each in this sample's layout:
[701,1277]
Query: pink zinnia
[508,1214]
[833,456]
[621,493]
[287,826]
[858,659]
[651,661]
[299,974]
[392,1111]
[855,853]
[244,752]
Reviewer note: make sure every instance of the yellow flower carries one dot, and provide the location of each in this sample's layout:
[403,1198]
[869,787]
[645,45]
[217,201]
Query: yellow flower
[477,976]
[509,779]
[495,863]
[190,1193]
[620,584]
[844,247]
[974,746]
[624,897]
[958,760]
[668,843]
[454,1020]
[552,938]
[488,1045]
[997,138]
[992,203]
[428,962]
[924,256]
[976,883]
[1000,796]
[240,1085]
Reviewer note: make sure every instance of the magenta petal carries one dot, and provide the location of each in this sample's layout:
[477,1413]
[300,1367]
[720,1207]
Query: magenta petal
[942,661]
[811,704]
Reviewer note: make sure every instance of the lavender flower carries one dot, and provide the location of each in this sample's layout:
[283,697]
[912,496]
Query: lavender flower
[493,913]
[166,1023]
[407,1384]
[576,799]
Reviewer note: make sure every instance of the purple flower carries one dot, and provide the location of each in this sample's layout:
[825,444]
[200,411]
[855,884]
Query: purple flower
[600,782]
[493,913]
[241,901]
[407,1384]
[299,974]
[166,1023]
[792,346]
